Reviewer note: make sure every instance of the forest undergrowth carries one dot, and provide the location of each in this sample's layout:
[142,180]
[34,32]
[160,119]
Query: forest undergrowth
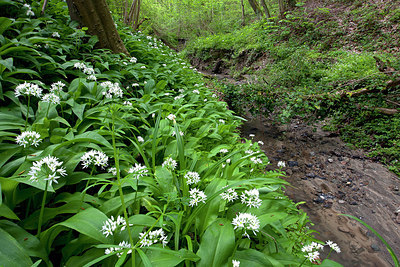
[334,60]
[116,160]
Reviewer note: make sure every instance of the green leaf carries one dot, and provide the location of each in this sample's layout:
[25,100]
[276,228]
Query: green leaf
[29,242]
[161,257]
[217,244]
[254,258]
[330,263]
[11,252]
[8,62]
[6,212]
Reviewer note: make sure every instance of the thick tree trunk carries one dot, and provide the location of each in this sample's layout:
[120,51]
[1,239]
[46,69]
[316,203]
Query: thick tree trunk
[266,10]
[254,5]
[95,15]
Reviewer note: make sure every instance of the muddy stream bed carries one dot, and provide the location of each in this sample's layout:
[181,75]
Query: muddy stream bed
[333,179]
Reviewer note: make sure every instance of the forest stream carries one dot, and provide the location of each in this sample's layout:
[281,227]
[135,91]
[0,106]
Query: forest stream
[333,179]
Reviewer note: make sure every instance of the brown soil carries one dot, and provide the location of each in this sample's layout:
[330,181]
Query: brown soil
[332,179]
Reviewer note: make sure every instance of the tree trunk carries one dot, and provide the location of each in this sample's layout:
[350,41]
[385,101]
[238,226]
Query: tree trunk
[95,15]
[266,10]
[243,15]
[286,5]
[254,5]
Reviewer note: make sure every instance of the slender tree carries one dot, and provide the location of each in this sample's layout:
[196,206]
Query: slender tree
[266,9]
[256,8]
[95,15]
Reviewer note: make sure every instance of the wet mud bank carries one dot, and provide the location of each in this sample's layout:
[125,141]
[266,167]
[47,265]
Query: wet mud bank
[333,179]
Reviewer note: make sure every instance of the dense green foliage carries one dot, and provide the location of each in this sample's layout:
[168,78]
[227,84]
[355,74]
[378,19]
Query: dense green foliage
[313,63]
[128,158]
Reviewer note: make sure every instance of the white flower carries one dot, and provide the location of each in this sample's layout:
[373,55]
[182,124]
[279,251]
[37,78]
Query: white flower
[140,139]
[311,247]
[196,196]
[192,178]
[133,60]
[152,238]
[256,160]
[112,170]
[214,95]
[229,195]
[251,198]
[251,135]
[110,225]
[281,164]
[312,256]
[28,89]
[180,133]
[235,263]
[113,90]
[228,161]
[48,168]
[135,84]
[179,97]
[223,150]
[169,163]
[57,87]
[195,91]
[246,221]
[91,78]
[205,99]
[250,152]
[55,35]
[94,157]
[51,98]
[333,246]
[79,65]
[143,67]
[171,117]
[221,121]
[261,143]
[127,103]
[28,138]
[138,171]
[29,12]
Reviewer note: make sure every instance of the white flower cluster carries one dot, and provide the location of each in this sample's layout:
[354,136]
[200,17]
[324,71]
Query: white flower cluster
[229,195]
[223,150]
[246,221]
[152,238]
[235,263]
[113,90]
[51,98]
[251,198]
[111,225]
[195,91]
[28,89]
[333,246]
[192,178]
[28,138]
[171,117]
[133,60]
[55,35]
[221,121]
[281,164]
[140,139]
[196,196]
[180,133]
[256,160]
[128,104]
[312,250]
[49,168]
[29,12]
[169,163]
[86,70]
[57,87]
[138,171]
[179,97]
[112,170]
[123,245]
[94,157]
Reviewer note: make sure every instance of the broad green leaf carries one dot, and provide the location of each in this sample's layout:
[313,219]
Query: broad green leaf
[161,257]
[254,258]
[11,252]
[217,244]
[7,212]
[330,263]
[29,242]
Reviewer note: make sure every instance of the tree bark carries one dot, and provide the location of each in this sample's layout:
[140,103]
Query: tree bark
[266,10]
[254,5]
[243,15]
[286,5]
[95,15]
